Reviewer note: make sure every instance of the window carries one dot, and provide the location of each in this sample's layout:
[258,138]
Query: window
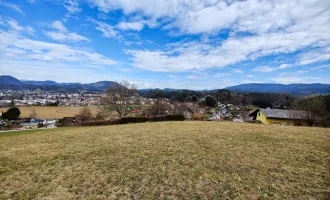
[259,114]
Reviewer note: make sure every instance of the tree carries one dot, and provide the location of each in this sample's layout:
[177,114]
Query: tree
[12,103]
[314,107]
[12,113]
[33,114]
[210,101]
[120,98]
[85,114]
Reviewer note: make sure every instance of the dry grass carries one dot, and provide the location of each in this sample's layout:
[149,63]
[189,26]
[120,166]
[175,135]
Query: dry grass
[167,160]
[52,112]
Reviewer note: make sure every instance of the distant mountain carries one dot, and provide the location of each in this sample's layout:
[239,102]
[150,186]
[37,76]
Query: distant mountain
[9,82]
[39,82]
[101,85]
[296,89]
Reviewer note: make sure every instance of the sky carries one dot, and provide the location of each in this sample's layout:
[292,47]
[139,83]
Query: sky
[190,44]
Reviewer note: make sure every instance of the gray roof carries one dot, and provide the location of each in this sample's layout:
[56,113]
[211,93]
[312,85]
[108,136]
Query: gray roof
[284,114]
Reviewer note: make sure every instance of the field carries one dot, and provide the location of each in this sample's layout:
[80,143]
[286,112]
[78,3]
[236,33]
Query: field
[51,112]
[166,160]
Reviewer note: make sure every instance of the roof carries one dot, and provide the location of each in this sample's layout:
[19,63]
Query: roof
[283,114]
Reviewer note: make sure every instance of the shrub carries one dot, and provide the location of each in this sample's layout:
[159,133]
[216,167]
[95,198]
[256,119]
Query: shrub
[11,114]
[126,120]
[167,118]
[85,114]
[198,117]
[175,118]
[100,123]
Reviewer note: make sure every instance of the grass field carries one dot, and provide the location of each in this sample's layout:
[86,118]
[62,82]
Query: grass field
[166,160]
[51,112]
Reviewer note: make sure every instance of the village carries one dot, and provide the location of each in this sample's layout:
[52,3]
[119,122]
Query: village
[140,107]
[44,109]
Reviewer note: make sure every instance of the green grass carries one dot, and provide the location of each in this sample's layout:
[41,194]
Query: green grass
[166,160]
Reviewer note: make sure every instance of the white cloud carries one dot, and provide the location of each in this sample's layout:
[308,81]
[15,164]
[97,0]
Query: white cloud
[58,25]
[107,30]
[250,76]
[264,69]
[275,27]
[70,37]
[202,16]
[13,24]
[16,46]
[62,34]
[284,66]
[11,6]
[30,30]
[136,26]
[72,6]
[321,67]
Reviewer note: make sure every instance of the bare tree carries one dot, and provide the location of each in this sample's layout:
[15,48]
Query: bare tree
[33,114]
[312,110]
[85,114]
[120,98]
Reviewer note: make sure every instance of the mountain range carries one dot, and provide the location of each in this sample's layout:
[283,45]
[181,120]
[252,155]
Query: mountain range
[9,82]
[295,89]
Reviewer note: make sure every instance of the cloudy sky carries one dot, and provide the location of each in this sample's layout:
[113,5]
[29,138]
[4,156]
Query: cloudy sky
[194,44]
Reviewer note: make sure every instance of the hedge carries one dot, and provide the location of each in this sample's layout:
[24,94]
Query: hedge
[167,118]
[126,120]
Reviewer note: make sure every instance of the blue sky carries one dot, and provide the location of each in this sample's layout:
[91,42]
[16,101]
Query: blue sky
[193,44]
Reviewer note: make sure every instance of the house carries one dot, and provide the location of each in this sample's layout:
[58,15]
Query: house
[278,116]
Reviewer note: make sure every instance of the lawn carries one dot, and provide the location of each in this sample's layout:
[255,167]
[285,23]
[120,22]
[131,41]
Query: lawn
[52,112]
[166,160]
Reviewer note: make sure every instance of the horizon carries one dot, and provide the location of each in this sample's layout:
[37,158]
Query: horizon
[139,88]
[177,44]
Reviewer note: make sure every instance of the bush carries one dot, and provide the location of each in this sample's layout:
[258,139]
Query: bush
[167,118]
[126,120]
[100,122]
[11,114]
[175,118]
[85,114]
[198,117]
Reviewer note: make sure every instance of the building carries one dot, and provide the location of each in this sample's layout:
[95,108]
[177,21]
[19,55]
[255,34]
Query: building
[278,116]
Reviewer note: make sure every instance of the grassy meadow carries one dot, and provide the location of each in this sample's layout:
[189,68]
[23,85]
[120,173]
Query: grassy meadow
[166,160]
[52,112]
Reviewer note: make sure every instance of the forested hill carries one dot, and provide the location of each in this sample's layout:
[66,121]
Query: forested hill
[11,83]
[295,89]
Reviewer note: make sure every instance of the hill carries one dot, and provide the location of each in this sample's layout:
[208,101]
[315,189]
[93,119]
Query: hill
[296,89]
[11,83]
[166,160]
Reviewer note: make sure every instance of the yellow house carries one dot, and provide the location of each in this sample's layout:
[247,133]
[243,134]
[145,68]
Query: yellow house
[278,116]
